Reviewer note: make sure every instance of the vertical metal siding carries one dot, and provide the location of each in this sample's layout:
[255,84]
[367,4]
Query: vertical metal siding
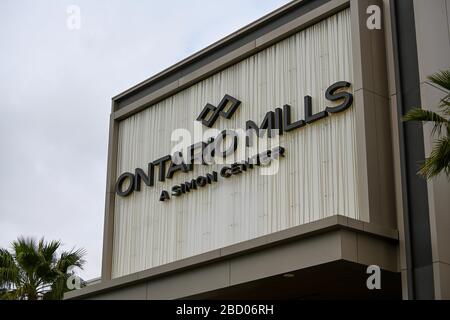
[316,179]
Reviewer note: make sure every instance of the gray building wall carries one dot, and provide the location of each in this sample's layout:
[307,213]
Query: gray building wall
[432,20]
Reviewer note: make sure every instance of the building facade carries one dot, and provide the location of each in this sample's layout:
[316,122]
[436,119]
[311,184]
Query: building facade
[332,79]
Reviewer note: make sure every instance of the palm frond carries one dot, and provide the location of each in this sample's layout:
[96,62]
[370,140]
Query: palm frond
[439,159]
[58,288]
[441,78]
[418,114]
[71,258]
[444,105]
[34,270]
[9,272]
[10,295]
[26,255]
[47,250]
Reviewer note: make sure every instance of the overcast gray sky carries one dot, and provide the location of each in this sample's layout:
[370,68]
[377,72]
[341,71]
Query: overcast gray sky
[56,86]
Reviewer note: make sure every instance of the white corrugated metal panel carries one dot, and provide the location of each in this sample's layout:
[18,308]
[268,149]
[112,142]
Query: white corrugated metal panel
[316,179]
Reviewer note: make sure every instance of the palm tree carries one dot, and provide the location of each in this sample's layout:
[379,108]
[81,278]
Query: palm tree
[33,270]
[439,159]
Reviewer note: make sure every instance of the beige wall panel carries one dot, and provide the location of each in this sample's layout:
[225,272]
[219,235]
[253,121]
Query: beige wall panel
[316,179]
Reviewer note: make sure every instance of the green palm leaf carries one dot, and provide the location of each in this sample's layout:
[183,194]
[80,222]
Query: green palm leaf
[9,272]
[427,116]
[439,159]
[33,270]
[441,78]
